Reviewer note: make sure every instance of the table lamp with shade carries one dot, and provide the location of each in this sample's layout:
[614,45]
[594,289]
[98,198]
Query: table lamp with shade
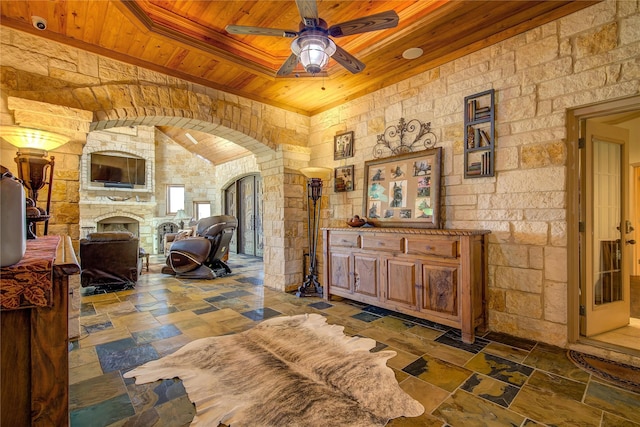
[315,175]
[181,217]
[34,169]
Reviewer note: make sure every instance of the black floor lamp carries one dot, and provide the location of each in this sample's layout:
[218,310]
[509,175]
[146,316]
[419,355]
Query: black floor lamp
[311,286]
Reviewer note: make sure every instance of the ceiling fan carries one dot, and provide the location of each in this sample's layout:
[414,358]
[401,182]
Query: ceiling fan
[312,45]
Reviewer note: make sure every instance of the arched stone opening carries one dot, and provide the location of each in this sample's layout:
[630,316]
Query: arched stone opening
[112,221]
[278,147]
[119,223]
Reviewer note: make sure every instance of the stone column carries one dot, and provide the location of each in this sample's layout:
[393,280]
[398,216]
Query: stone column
[285,216]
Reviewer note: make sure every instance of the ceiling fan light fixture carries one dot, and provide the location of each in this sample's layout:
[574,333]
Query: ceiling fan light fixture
[313,50]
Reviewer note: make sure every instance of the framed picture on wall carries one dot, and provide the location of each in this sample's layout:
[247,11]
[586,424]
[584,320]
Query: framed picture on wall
[404,190]
[343,145]
[343,179]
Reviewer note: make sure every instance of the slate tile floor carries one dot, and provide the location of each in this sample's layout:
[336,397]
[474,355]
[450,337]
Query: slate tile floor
[498,380]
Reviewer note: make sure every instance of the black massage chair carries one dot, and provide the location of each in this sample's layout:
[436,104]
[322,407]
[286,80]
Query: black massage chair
[200,257]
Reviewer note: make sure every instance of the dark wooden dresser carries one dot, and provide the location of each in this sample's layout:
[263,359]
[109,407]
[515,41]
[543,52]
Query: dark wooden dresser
[433,274]
[34,296]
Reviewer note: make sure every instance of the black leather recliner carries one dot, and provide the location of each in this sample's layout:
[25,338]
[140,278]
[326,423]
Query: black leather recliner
[200,257]
[110,260]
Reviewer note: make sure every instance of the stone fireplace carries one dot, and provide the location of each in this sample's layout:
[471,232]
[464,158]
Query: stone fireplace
[107,216]
[108,208]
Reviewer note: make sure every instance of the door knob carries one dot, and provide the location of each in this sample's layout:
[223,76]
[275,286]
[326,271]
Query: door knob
[630,242]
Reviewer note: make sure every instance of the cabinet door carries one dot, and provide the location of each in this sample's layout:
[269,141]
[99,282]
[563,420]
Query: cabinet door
[366,275]
[440,289]
[400,282]
[340,271]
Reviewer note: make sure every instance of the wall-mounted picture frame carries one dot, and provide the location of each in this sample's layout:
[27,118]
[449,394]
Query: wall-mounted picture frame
[343,145]
[343,179]
[404,190]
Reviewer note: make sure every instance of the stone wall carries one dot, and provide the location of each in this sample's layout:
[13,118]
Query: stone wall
[588,57]
[177,165]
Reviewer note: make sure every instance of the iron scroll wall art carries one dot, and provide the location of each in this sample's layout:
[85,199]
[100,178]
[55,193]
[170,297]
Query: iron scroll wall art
[405,137]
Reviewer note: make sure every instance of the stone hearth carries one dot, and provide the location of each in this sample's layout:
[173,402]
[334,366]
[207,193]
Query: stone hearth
[119,223]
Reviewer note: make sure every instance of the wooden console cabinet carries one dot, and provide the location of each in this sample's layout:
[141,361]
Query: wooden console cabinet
[438,275]
[34,357]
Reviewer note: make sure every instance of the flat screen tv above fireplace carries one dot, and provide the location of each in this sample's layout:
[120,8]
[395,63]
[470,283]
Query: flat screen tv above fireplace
[117,171]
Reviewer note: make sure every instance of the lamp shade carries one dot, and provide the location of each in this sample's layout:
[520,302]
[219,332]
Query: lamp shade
[316,172]
[313,49]
[23,137]
[181,215]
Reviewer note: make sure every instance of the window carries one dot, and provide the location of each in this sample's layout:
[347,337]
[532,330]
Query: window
[202,210]
[175,198]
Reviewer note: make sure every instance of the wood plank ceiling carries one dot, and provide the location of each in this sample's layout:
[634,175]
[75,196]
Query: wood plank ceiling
[187,39]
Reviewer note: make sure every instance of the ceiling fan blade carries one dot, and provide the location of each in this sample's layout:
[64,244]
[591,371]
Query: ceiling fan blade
[308,11]
[379,21]
[288,65]
[259,31]
[347,60]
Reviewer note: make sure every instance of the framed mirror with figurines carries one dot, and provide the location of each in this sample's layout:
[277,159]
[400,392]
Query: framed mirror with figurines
[404,190]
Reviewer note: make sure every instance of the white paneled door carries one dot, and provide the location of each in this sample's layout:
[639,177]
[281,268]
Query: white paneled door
[609,235]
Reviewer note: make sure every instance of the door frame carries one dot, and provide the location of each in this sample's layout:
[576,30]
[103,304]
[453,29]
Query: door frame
[575,131]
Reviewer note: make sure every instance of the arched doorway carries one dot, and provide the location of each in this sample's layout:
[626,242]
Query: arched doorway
[243,199]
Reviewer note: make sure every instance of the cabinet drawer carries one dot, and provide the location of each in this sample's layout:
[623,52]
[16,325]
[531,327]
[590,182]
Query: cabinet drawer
[344,240]
[443,248]
[382,243]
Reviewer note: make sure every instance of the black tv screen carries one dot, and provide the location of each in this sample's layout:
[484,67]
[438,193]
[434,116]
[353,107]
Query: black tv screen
[117,170]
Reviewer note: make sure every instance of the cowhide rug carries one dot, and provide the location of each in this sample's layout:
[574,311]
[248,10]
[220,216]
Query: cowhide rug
[286,371]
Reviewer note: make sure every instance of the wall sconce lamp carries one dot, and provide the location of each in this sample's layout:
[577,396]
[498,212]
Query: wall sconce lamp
[33,167]
[180,217]
[315,175]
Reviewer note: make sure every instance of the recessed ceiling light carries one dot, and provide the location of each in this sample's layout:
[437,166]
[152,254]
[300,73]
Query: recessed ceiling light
[190,138]
[412,53]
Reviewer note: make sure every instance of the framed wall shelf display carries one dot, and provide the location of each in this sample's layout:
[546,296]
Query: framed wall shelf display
[404,190]
[343,146]
[479,135]
[343,179]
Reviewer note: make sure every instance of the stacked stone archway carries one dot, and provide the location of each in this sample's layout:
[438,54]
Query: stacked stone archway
[277,138]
